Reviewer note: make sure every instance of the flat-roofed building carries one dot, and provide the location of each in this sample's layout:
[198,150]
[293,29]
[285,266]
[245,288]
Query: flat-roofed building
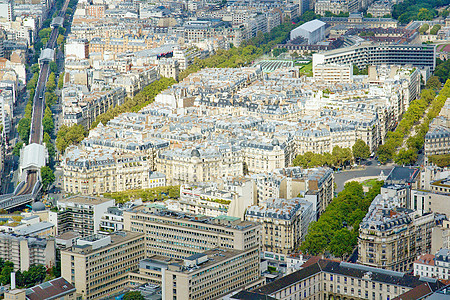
[82,214]
[99,265]
[208,275]
[179,235]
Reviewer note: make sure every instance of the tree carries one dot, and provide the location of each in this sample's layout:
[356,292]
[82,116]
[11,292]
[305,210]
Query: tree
[360,150]
[17,147]
[433,83]
[51,86]
[424,28]
[69,136]
[5,274]
[435,29]
[47,177]
[35,68]
[342,243]
[135,295]
[61,81]
[45,33]
[406,157]
[385,153]
[24,129]
[47,121]
[424,15]
[53,67]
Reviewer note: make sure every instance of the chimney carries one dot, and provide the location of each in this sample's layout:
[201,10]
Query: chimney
[13,281]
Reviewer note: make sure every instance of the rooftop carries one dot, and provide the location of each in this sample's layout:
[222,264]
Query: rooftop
[52,289]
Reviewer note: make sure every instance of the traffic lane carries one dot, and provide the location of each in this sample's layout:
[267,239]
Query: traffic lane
[341,177]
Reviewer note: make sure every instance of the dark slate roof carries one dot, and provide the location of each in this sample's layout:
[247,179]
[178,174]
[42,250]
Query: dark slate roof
[421,291]
[246,295]
[288,280]
[345,269]
[52,289]
[404,174]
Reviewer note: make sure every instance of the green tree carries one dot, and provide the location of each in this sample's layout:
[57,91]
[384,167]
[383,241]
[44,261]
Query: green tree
[385,153]
[360,150]
[435,29]
[35,68]
[342,243]
[53,67]
[45,33]
[67,136]
[47,121]
[5,274]
[424,15]
[135,295]
[424,28]
[24,129]
[433,83]
[51,86]
[47,177]
[17,147]
[61,81]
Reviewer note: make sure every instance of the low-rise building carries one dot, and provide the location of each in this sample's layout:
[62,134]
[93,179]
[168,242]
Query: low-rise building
[424,266]
[57,288]
[99,265]
[326,279]
[284,225]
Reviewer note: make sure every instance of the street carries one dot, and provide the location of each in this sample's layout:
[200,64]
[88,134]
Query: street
[371,170]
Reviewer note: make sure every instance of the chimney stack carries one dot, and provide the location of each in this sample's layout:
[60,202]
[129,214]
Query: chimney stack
[13,281]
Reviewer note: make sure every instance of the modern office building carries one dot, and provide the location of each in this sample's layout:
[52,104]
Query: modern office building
[180,235]
[419,56]
[208,275]
[285,224]
[82,214]
[99,265]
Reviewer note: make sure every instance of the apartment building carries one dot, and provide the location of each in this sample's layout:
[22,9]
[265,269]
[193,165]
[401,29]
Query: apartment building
[179,235]
[430,201]
[200,164]
[434,266]
[90,106]
[25,251]
[93,171]
[82,214]
[208,275]
[284,225]
[371,54]
[333,73]
[379,9]
[391,237]
[326,279]
[99,266]
[440,237]
[213,199]
[111,221]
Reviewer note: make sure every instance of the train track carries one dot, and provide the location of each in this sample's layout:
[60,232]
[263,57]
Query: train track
[36,132]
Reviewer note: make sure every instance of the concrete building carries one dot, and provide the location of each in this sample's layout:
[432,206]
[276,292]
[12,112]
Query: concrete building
[25,251]
[391,237]
[82,214]
[326,279]
[99,265]
[313,31]
[111,221]
[333,73]
[77,48]
[210,199]
[7,10]
[163,229]
[284,225]
[420,56]
[208,275]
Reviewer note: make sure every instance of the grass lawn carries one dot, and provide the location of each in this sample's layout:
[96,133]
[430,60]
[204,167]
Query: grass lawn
[307,70]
